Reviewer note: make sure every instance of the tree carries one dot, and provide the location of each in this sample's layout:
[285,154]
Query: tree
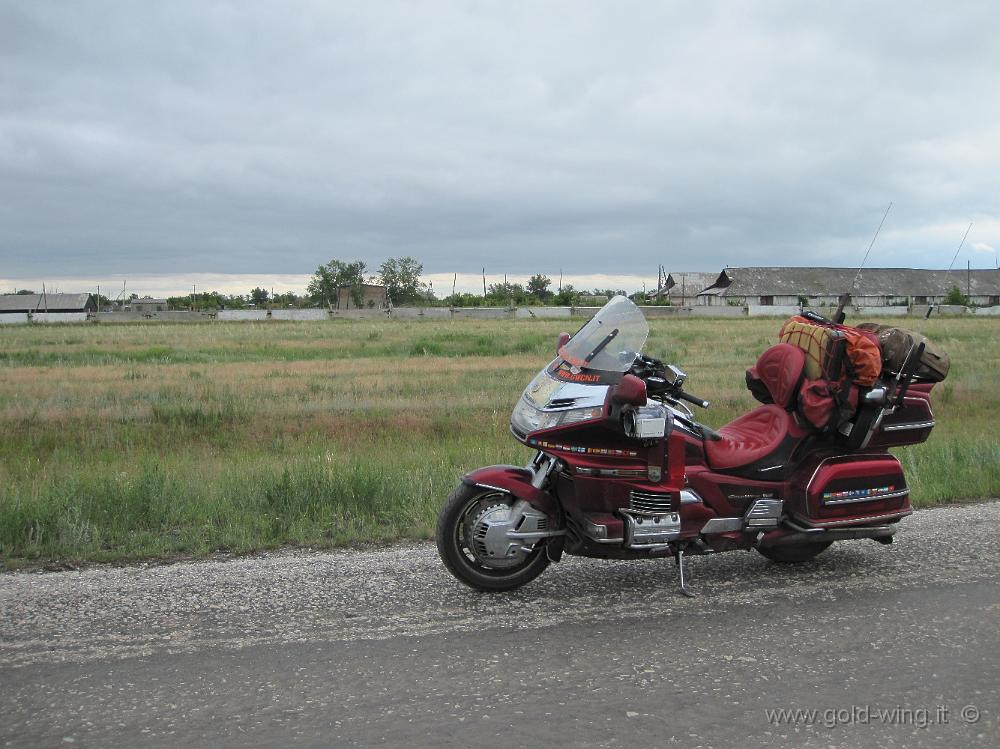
[506,293]
[565,297]
[259,297]
[955,296]
[538,287]
[401,278]
[329,278]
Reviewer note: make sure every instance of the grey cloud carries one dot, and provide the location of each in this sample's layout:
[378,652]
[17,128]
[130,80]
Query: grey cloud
[268,137]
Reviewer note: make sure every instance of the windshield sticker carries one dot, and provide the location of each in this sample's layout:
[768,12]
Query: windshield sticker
[587,377]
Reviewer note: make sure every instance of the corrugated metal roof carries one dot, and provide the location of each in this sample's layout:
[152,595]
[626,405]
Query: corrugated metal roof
[776,281]
[40,302]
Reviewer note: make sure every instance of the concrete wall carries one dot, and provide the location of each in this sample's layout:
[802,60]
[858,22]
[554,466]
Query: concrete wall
[773,310]
[50,317]
[299,314]
[533,312]
[920,310]
[241,314]
[875,312]
[718,311]
[168,316]
[482,313]
[421,313]
[14,318]
[988,311]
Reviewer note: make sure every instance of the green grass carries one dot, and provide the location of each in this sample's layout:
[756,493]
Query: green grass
[138,441]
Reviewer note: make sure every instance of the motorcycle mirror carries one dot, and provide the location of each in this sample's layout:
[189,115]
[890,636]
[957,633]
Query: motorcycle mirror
[630,391]
[562,340]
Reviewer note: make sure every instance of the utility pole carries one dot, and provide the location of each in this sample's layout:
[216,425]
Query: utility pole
[454,281]
[560,278]
[968,279]
[484,283]
[194,296]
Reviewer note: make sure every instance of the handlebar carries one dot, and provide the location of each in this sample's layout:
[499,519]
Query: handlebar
[700,402]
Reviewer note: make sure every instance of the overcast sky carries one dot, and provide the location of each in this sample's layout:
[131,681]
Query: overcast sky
[263,138]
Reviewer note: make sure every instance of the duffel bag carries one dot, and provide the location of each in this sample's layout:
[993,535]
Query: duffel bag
[896,344]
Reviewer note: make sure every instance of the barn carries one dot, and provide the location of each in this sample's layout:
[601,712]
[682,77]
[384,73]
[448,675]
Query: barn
[148,304]
[875,287]
[683,287]
[22,303]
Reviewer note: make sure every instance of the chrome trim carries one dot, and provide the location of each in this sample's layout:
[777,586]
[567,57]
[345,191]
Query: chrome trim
[690,497]
[823,462]
[854,500]
[876,425]
[494,488]
[722,525]
[764,513]
[645,503]
[801,528]
[861,521]
[667,528]
[909,425]
[770,468]
[535,535]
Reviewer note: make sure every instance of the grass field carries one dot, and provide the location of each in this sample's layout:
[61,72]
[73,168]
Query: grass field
[157,440]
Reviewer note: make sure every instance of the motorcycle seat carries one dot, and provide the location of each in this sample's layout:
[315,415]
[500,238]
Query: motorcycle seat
[764,432]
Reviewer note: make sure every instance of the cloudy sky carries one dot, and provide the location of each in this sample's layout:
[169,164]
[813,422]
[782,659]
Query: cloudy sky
[178,140]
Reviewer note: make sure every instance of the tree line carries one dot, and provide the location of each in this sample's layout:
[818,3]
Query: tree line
[401,278]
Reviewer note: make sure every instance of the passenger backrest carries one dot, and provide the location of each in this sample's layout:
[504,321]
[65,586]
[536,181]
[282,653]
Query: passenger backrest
[777,375]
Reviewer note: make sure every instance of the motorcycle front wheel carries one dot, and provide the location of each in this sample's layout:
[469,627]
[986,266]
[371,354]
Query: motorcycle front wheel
[470,509]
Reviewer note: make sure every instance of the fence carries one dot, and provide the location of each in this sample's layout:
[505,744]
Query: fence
[470,313]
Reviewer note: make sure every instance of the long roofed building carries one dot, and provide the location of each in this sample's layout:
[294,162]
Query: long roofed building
[875,287]
[21,303]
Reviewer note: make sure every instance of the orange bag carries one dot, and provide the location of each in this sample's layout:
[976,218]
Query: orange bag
[864,356]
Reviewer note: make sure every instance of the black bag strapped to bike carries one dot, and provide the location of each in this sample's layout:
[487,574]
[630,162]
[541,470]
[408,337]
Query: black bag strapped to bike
[897,343]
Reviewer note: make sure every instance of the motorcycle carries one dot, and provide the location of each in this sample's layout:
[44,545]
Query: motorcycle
[623,470]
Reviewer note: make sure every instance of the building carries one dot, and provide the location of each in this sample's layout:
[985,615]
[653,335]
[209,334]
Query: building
[682,288]
[875,287]
[370,295]
[148,304]
[591,300]
[21,303]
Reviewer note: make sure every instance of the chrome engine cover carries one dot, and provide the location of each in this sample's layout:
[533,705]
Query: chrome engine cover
[650,530]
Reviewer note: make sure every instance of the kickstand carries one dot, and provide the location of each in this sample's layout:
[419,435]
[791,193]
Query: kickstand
[679,559]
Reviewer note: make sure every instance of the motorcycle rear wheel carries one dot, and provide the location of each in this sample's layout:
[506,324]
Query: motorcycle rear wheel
[464,562]
[795,553]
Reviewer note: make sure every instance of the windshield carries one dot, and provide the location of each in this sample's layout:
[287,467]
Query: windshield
[611,340]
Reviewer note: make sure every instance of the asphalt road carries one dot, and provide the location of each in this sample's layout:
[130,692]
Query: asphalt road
[893,646]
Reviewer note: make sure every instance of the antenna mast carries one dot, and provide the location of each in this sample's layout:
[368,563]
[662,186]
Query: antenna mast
[845,298]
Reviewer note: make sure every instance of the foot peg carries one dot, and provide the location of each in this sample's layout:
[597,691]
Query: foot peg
[679,559]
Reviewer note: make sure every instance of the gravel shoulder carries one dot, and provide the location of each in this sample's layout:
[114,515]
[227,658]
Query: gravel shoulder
[383,633]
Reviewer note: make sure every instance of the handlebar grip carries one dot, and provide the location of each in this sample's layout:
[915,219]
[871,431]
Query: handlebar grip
[693,399]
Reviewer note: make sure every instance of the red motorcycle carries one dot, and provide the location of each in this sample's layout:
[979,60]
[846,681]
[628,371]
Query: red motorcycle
[623,470]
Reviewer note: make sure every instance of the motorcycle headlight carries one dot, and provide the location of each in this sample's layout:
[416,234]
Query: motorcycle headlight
[527,418]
